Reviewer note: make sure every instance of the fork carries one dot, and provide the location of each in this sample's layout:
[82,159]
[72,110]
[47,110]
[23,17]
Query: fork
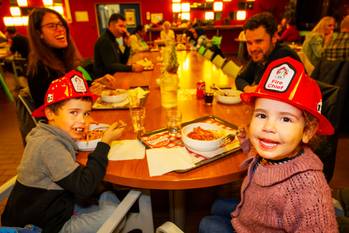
[227,139]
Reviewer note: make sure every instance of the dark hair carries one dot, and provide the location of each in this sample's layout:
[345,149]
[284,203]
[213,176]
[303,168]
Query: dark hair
[11,30]
[54,107]
[139,28]
[115,17]
[40,51]
[264,19]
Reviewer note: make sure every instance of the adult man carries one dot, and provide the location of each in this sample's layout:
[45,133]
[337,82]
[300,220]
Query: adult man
[18,42]
[338,49]
[262,46]
[112,49]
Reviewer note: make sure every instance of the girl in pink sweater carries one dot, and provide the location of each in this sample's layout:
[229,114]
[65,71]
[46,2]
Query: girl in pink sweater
[285,189]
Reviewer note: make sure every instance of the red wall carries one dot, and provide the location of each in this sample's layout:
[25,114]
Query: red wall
[86,33]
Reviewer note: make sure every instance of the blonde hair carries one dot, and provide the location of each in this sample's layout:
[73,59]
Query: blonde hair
[322,24]
[166,24]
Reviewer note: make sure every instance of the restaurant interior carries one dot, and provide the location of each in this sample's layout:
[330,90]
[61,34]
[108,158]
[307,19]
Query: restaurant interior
[222,19]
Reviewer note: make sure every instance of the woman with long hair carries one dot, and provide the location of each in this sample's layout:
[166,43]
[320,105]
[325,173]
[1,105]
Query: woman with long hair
[318,39]
[52,51]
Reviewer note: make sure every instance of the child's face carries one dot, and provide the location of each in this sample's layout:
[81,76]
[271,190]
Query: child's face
[72,117]
[276,129]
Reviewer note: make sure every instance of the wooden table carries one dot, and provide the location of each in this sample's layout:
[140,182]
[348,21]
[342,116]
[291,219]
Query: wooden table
[134,173]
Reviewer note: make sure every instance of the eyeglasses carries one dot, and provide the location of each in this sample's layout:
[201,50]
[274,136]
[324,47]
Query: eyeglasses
[53,26]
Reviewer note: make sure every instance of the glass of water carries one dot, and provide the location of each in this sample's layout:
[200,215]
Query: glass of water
[137,117]
[174,121]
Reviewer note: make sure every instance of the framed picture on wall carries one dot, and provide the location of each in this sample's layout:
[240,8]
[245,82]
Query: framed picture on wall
[130,16]
[156,17]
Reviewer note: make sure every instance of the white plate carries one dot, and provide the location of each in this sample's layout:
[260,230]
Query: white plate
[228,96]
[108,96]
[90,145]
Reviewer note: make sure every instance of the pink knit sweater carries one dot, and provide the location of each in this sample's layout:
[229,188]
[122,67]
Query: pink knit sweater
[289,197]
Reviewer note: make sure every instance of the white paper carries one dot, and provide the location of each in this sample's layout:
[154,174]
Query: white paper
[126,150]
[164,160]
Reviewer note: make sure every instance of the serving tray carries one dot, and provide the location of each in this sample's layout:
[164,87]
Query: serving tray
[161,138]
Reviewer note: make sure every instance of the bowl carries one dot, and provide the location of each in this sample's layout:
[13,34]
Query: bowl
[228,96]
[202,144]
[96,132]
[114,96]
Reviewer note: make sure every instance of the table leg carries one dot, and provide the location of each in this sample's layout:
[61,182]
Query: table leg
[177,207]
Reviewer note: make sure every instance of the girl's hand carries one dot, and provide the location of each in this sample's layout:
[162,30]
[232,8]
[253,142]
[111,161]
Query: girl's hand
[113,132]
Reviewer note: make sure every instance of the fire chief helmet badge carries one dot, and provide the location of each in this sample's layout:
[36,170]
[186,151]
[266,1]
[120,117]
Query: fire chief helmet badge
[285,80]
[71,85]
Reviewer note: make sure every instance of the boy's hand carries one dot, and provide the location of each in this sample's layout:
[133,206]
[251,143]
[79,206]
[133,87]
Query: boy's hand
[113,132]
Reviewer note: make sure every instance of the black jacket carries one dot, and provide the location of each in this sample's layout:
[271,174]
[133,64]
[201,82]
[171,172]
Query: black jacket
[108,57]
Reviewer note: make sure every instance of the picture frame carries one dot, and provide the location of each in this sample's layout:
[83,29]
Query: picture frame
[130,16]
[156,17]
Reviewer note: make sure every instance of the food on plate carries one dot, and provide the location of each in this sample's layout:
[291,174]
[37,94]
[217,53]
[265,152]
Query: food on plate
[114,96]
[93,134]
[229,96]
[180,47]
[113,92]
[199,133]
[146,63]
[106,82]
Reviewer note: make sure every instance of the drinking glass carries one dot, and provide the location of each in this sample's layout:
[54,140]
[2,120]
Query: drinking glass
[174,120]
[137,117]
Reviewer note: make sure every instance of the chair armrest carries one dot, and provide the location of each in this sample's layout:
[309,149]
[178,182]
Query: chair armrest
[6,188]
[120,212]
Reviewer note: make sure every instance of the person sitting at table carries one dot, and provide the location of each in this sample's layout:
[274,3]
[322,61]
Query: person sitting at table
[263,48]
[52,51]
[19,44]
[285,189]
[166,35]
[49,180]
[338,49]
[137,42]
[316,41]
[112,49]
[291,33]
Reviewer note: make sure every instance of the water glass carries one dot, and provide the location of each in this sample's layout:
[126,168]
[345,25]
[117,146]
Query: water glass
[174,120]
[137,117]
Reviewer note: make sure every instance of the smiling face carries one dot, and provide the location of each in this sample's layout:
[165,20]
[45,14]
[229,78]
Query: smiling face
[277,129]
[53,31]
[259,43]
[72,117]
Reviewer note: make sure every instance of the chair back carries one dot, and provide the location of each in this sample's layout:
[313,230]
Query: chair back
[208,54]
[231,68]
[218,60]
[202,50]
[24,108]
[216,40]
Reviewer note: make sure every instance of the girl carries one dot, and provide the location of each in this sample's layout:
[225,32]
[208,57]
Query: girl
[285,189]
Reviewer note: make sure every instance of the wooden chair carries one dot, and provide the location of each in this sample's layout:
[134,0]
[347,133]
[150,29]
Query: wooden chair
[142,220]
[231,69]
[208,54]
[218,60]
[202,50]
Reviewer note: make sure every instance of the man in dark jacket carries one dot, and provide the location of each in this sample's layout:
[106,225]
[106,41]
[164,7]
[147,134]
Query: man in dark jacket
[18,42]
[263,48]
[112,49]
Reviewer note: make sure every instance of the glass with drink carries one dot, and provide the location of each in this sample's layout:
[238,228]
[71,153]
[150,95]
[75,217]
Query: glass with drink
[174,120]
[137,117]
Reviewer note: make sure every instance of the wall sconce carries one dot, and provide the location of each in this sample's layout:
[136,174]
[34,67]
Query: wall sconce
[15,21]
[240,15]
[209,15]
[185,7]
[176,0]
[57,8]
[15,11]
[22,3]
[227,0]
[209,0]
[186,16]
[218,6]
[47,2]
[176,7]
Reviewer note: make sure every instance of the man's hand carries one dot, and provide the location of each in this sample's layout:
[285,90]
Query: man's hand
[249,89]
[137,68]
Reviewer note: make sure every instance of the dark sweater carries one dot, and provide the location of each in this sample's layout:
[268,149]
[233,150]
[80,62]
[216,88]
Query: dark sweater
[20,44]
[252,73]
[49,180]
[108,57]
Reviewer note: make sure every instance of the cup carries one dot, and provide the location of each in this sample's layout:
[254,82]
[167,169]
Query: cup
[134,101]
[174,120]
[208,97]
[137,116]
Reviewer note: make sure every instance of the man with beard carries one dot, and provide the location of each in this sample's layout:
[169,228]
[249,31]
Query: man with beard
[263,48]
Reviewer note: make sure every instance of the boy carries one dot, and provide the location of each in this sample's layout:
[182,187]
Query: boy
[285,189]
[49,178]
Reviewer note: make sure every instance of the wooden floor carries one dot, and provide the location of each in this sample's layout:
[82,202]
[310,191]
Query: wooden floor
[198,201]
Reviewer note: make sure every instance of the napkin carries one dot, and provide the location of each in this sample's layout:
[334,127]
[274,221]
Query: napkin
[164,160]
[126,150]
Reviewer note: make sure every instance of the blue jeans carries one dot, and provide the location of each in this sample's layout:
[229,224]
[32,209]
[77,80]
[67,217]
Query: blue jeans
[219,220]
[89,220]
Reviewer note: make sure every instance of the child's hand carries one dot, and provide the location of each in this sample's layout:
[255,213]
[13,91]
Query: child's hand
[113,132]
